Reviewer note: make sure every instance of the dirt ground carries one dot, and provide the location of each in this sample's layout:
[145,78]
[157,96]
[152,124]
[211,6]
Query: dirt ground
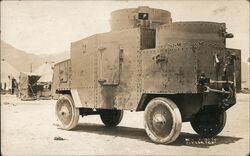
[29,128]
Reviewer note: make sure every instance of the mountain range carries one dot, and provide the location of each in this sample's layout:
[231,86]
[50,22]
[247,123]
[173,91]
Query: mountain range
[26,62]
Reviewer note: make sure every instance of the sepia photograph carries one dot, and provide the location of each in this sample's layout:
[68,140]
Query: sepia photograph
[127,77]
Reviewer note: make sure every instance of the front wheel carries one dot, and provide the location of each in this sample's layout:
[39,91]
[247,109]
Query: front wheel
[111,118]
[66,112]
[209,123]
[162,120]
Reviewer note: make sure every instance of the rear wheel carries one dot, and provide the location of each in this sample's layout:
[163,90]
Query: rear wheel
[66,112]
[162,120]
[209,123]
[111,118]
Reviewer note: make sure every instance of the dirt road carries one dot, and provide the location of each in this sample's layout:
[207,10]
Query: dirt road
[28,128]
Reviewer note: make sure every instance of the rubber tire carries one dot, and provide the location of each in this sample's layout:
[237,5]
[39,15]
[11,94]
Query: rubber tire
[111,118]
[75,113]
[196,123]
[176,120]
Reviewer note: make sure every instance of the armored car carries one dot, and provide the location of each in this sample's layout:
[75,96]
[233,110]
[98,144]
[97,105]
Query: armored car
[173,71]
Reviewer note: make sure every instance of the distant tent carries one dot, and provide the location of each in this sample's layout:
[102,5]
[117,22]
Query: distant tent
[44,83]
[45,71]
[36,85]
[7,71]
[28,88]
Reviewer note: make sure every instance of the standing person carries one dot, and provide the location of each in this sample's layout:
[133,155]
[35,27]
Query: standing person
[9,85]
[4,86]
[13,85]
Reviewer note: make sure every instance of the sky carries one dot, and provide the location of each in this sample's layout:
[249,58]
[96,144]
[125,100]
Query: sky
[46,27]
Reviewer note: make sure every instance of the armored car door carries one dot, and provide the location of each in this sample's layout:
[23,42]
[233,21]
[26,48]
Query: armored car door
[109,61]
[109,68]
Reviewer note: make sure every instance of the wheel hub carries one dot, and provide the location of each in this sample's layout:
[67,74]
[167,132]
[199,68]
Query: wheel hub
[162,121]
[159,120]
[64,112]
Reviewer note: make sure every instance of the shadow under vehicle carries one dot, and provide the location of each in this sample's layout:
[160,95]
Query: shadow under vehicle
[173,71]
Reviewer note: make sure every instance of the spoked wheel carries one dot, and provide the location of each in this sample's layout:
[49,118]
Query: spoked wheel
[111,118]
[162,120]
[209,123]
[66,113]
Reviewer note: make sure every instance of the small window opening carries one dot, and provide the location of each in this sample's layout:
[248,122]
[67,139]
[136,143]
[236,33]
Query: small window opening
[143,16]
